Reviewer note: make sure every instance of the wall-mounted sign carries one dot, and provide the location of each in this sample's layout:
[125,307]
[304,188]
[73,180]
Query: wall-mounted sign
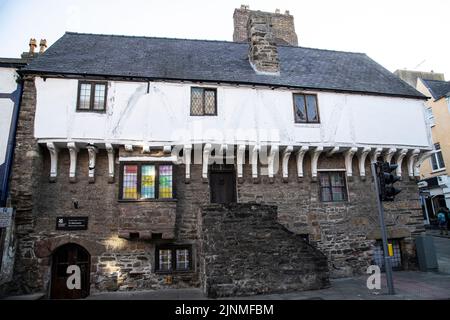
[5,217]
[71,223]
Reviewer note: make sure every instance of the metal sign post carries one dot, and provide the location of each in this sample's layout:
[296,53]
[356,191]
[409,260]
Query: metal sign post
[387,258]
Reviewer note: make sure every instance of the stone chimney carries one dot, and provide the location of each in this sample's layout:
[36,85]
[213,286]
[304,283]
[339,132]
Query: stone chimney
[33,46]
[42,45]
[283,28]
[263,53]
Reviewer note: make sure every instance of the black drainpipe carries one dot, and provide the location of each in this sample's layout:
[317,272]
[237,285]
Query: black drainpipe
[16,96]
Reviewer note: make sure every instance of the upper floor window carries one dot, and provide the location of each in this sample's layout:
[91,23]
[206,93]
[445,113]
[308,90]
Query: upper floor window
[143,181]
[91,96]
[332,186]
[305,108]
[203,101]
[437,161]
[430,116]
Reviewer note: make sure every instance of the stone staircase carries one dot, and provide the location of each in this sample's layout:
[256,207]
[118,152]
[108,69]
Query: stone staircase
[245,251]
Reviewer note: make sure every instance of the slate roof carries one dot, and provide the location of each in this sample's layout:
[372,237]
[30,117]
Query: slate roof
[218,61]
[438,89]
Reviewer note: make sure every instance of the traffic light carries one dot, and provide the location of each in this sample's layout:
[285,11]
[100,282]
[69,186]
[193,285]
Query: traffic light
[386,181]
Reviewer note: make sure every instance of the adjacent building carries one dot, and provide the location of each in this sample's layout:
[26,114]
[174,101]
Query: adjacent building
[238,167]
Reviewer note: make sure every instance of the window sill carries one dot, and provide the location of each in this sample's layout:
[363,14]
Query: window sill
[91,111]
[307,125]
[438,170]
[146,200]
[174,272]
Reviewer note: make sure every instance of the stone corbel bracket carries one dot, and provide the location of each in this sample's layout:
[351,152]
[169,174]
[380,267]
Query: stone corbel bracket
[187,152]
[206,155]
[300,156]
[375,154]
[314,161]
[362,156]
[73,152]
[53,161]
[333,151]
[254,161]
[425,155]
[240,162]
[274,151]
[285,163]
[399,160]
[92,151]
[110,151]
[412,158]
[349,161]
[389,154]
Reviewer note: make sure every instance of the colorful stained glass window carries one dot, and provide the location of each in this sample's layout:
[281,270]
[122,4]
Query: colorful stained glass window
[148,181]
[165,181]
[130,182]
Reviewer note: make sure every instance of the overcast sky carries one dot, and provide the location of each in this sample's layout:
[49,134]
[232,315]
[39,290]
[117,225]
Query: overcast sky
[408,34]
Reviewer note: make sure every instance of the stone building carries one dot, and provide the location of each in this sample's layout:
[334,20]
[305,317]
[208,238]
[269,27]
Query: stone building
[240,168]
[10,94]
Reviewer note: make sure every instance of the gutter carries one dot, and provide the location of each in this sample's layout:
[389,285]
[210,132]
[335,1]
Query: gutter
[16,96]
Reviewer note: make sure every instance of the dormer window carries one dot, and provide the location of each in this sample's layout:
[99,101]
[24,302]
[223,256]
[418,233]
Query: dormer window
[91,96]
[203,101]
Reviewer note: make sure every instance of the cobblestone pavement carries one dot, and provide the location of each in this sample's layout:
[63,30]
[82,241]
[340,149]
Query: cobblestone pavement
[409,285]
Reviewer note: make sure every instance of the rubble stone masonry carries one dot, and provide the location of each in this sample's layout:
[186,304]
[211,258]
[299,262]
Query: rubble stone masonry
[344,232]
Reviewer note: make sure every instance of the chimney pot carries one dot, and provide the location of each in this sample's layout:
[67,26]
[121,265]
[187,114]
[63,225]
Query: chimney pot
[287,12]
[277,11]
[33,45]
[42,45]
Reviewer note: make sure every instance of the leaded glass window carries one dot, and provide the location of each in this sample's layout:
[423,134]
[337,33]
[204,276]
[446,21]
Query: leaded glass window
[305,108]
[129,184]
[148,181]
[165,181]
[143,181]
[92,96]
[203,101]
[172,258]
[332,186]
[165,260]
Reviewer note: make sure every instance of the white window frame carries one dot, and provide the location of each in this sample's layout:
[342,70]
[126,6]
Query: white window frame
[434,155]
[430,116]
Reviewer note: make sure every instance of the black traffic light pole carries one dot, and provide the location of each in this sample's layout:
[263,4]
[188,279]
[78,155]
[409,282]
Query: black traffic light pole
[387,258]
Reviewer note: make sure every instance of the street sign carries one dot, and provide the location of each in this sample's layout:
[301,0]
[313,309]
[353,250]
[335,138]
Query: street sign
[6,217]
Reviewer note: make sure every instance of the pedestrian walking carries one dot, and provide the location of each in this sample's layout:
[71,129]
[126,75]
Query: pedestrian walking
[442,221]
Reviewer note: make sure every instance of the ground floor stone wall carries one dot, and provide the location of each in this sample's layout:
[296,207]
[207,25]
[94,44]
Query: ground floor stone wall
[344,231]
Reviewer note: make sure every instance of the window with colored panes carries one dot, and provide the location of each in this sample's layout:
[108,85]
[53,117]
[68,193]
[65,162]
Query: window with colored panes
[147,181]
[305,108]
[332,186]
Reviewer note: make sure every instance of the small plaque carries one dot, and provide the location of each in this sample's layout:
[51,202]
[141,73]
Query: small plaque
[71,223]
[5,217]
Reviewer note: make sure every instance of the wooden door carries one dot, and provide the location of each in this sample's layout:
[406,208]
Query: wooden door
[222,183]
[63,257]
